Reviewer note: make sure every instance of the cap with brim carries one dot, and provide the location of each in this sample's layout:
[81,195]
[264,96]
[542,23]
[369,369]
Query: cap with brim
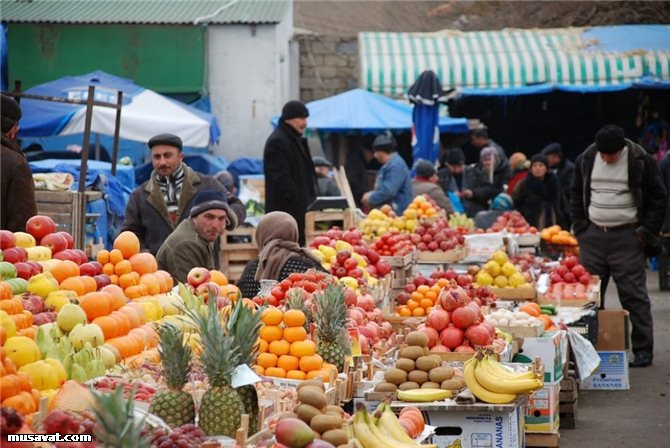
[165,139]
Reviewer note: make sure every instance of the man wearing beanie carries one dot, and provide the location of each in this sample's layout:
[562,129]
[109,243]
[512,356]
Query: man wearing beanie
[290,181]
[618,203]
[393,185]
[565,170]
[157,206]
[17,195]
[537,196]
[425,182]
[191,245]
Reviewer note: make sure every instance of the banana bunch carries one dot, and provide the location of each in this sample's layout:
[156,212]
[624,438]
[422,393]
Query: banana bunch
[381,430]
[459,220]
[490,382]
[423,395]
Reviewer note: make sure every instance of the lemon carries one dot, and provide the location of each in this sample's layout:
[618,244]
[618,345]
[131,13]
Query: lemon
[493,268]
[483,278]
[516,280]
[508,269]
[500,281]
[22,350]
[499,257]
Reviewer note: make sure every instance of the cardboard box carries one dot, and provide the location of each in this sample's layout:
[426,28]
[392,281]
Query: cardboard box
[542,410]
[551,348]
[613,330]
[612,373]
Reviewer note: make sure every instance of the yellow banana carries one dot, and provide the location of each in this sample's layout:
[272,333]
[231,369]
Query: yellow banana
[487,379]
[478,390]
[423,395]
[386,440]
[500,371]
[369,435]
[390,425]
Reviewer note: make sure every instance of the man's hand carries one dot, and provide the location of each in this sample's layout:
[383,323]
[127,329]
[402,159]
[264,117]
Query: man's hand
[467,194]
[365,200]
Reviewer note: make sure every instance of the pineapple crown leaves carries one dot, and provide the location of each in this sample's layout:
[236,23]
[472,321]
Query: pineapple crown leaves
[244,325]
[220,355]
[175,355]
[116,426]
[331,313]
[191,301]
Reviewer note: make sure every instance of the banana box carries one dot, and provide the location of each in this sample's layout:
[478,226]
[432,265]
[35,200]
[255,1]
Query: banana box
[551,348]
[542,410]
[612,373]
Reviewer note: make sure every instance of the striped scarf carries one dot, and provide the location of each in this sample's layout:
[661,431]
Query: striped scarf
[171,188]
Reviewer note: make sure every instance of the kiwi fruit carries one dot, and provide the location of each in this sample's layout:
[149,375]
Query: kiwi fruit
[385,387]
[417,338]
[430,385]
[455,383]
[409,385]
[440,374]
[332,409]
[395,376]
[306,383]
[314,396]
[437,357]
[418,376]
[307,412]
[411,352]
[326,422]
[405,364]
[427,363]
[336,437]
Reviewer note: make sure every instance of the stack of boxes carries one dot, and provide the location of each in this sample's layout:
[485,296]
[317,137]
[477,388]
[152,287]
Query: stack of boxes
[612,346]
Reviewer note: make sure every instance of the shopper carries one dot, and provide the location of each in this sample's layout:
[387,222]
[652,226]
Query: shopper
[537,196]
[17,198]
[325,184]
[618,205]
[290,182]
[486,218]
[160,204]
[478,185]
[520,166]
[426,182]
[565,170]
[394,181]
[280,254]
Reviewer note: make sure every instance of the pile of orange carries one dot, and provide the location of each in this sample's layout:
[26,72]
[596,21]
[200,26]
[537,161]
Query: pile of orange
[421,207]
[285,351]
[134,271]
[555,235]
[422,300]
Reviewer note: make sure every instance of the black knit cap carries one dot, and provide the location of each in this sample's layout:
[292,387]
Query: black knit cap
[455,156]
[610,139]
[552,148]
[208,200]
[294,109]
[540,158]
[424,168]
[384,143]
[165,139]
[10,111]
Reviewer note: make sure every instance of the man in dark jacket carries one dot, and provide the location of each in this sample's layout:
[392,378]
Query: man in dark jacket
[157,206]
[191,245]
[326,185]
[565,170]
[618,204]
[290,181]
[17,197]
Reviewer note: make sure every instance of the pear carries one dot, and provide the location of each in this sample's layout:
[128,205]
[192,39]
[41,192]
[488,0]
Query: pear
[107,356]
[69,316]
[42,284]
[81,334]
[58,299]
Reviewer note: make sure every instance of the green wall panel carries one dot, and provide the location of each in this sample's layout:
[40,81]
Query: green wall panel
[168,59]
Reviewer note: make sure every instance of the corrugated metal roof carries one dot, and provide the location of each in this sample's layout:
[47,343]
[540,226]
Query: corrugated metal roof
[177,12]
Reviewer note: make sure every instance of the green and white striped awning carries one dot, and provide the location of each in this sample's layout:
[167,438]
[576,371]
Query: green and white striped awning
[578,59]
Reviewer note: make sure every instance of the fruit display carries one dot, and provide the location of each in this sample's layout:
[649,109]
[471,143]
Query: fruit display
[308,282]
[382,428]
[461,222]
[437,236]
[569,281]
[328,421]
[419,296]
[556,235]
[506,318]
[384,220]
[392,244]
[500,273]
[491,382]
[142,391]
[513,222]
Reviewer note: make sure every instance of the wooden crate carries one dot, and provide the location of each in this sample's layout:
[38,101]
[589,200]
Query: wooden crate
[450,256]
[542,440]
[520,293]
[66,208]
[238,247]
[344,219]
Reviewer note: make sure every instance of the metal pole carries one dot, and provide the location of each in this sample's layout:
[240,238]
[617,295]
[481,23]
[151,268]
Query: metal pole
[84,164]
[17,90]
[117,130]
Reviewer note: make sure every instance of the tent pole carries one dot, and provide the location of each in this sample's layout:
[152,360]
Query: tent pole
[84,166]
[117,129]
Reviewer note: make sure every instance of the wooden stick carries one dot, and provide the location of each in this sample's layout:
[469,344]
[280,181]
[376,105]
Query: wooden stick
[243,432]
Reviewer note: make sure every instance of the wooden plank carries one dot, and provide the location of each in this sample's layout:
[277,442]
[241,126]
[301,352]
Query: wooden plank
[346,188]
[542,440]
[568,408]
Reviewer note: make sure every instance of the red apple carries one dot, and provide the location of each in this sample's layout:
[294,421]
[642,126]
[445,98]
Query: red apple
[562,270]
[7,239]
[342,256]
[54,241]
[90,269]
[67,254]
[35,267]
[198,276]
[23,270]
[350,264]
[403,298]
[585,279]
[570,262]
[433,246]
[340,272]
[463,280]
[372,270]
[15,255]
[102,280]
[39,226]
[82,257]
[555,278]
[569,278]
[68,238]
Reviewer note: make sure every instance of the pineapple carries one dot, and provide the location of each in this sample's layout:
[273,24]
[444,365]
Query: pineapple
[296,301]
[244,325]
[221,408]
[174,406]
[115,422]
[331,318]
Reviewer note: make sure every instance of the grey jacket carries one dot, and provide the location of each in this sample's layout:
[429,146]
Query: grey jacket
[184,250]
[435,192]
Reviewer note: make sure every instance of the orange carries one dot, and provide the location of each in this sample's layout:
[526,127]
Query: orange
[320,373]
[167,278]
[436,288]
[295,375]
[143,263]
[303,348]
[411,303]
[151,282]
[259,370]
[135,292]
[423,289]
[95,304]
[114,279]
[418,312]
[123,267]
[90,284]
[108,269]
[309,363]
[108,326]
[218,277]
[115,256]
[404,311]
[263,346]
[294,318]
[133,316]
[272,316]
[64,269]
[117,295]
[276,372]
[416,296]
[266,360]
[442,282]
[430,295]
[74,284]
[128,243]
[425,303]
[294,334]
[271,333]
[288,362]
[279,348]
[103,257]
[129,279]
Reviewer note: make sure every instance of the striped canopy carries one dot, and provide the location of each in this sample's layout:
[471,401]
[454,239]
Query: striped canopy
[519,61]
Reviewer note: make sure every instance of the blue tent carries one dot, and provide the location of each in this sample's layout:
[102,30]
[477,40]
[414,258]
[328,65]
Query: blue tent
[364,111]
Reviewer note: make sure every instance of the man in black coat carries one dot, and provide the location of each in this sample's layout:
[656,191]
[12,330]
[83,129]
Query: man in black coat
[565,170]
[290,181]
[618,205]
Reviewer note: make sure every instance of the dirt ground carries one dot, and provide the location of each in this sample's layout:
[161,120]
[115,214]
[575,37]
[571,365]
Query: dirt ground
[641,415]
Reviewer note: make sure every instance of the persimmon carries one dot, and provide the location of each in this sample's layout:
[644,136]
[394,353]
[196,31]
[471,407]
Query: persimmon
[143,263]
[95,304]
[128,243]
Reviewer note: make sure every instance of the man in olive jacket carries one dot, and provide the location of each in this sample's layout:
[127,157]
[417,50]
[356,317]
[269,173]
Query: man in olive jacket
[290,180]
[157,206]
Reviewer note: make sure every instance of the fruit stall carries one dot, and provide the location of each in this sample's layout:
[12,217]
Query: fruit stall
[401,339]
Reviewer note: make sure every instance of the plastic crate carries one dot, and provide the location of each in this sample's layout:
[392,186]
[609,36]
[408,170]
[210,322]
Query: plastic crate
[587,326]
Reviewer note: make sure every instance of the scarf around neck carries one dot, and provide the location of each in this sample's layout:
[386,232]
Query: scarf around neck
[171,187]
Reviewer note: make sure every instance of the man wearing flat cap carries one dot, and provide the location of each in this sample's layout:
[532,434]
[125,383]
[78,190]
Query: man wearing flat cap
[191,244]
[157,206]
[17,199]
[393,185]
[325,184]
[565,170]
[290,181]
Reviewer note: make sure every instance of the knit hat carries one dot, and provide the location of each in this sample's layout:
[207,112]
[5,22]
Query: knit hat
[294,109]
[384,143]
[424,168]
[610,139]
[208,200]
[540,158]
[487,152]
[321,161]
[165,139]
[11,113]
[552,148]
[455,156]
[503,201]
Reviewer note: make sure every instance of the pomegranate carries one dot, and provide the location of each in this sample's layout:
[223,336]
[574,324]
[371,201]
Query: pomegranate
[451,337]
[464,349]
[438,319]
[478,335]
[453,297]
[433,336]
[464,317]
[357,316]
[366,302]
[439,348]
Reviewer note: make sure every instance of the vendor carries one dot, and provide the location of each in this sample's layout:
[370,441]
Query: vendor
[394,181]
[280,254]
[426,182]
[537,196]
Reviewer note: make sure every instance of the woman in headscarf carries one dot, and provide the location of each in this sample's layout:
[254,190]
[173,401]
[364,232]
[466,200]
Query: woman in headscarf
[537,196]
[520,166]
[481,183]
[280,254]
